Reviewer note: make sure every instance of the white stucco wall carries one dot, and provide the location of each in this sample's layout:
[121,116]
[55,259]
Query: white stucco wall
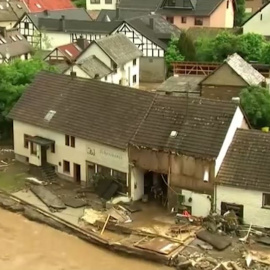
[137,180]
[259,23]
[251,199]
[101,5]
[237,122]
[201,204]
[105,155]
[229,16]
[55,39]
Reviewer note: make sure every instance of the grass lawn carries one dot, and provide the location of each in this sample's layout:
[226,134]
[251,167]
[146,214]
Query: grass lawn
[12,182]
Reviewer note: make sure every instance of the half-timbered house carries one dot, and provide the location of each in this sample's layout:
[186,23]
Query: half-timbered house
[43,29]
[150,34]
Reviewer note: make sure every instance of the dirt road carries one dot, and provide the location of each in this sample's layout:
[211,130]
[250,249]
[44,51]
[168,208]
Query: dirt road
[28,245]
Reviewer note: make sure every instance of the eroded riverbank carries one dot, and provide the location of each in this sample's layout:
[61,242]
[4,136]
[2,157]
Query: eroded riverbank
[32,246]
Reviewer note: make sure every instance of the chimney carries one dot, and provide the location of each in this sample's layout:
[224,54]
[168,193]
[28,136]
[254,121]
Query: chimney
[3,32]
[73,74]
[46,12]
[81,42]
[151,22]
[117,13]
[63,23]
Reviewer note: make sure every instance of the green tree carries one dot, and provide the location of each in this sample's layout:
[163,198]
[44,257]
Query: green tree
[173,54]
[250,46]
[239,13]
[13,80]
[80,3]
[186,47]
[255,101]
[265,55]
[204,50]
[224,44]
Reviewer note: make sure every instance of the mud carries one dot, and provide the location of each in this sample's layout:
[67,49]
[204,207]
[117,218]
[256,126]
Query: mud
[28,245]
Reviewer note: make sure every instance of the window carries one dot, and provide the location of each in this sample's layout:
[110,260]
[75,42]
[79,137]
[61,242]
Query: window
[105,171]
[95,1]
[66,165]
[72,141]
[134,79]
[170,19]
[206,174]
[108,1]
[134,62]
[119,176]
[26,56]
[53,147]
[184,20]
[261,17]
[171,2]
[186,3]
[26,25]
[198,21]
[266,200]
[66,140]
[33,148]
[26,140]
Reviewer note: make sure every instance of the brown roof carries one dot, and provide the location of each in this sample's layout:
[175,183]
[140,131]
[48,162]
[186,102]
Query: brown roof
[88,109]
[246,164]
[116,115]
[12,10]
[201,124]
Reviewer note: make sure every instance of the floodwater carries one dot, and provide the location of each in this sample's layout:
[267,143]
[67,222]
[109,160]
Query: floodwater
[28,245]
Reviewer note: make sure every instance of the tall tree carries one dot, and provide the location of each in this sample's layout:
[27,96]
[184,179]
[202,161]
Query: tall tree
[255,101]
[173,54]
[239,13]
[186,47]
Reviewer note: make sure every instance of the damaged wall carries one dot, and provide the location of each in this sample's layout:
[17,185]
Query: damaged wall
[186,175]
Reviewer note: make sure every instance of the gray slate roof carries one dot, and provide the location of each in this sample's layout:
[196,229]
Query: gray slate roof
[246,164]
[17,47]
[93,67]
[181,85]
[116,115]
[119,48]
[12,10]
[249,74]
[140,4]
[88,109]
[78,26]
[196,8]
[123,14]
[79,14]
[202,125]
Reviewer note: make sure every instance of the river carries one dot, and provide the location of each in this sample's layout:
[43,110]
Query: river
[26,245]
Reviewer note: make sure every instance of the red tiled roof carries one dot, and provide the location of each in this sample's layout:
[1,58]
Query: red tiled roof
[71,51]
[41,5]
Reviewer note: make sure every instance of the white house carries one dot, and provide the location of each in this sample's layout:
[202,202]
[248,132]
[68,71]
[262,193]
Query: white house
[13,45]
[81,127]
[117,59]
[259,22]
[243,182]
[101,4]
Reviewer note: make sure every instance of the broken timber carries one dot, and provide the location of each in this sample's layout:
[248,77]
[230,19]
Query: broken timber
[12,203]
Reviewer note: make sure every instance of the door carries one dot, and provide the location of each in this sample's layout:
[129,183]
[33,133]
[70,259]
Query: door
[77,173]
[43,155]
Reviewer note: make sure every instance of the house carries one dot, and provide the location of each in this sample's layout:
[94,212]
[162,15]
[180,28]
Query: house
[188,13]
[181,86]
[115,55]
[259,22]
[150,5]
[101,4]
[92,67]
[41,5]
[10,12]
[151,34]
[243,182]
[50,29]
[120,14]
[13,45]
[141,138]
[230,78]
[253,5]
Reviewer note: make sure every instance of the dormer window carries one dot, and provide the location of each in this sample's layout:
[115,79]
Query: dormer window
[171,3]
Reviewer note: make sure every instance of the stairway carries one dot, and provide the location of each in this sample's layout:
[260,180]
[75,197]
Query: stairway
[48,173]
